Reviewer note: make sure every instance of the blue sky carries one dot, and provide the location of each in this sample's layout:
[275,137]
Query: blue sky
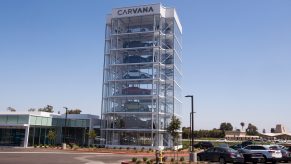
[236,57]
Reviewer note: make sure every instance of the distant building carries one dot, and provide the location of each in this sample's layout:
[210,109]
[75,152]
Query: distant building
[238,135]
[280,129]
[280,133]
[31,128]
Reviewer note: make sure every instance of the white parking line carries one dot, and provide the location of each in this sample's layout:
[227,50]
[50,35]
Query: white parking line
[88,161]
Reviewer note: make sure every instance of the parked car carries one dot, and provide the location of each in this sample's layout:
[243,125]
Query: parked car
[222,140]
[269,154]
[221,155]
[136,74]
[286,155]
[288,148]
[133,122]
[246,143]
[137,29]
[250,156]
[135,91]
[236,147]
[132,44]
[132,106]
[127,140]
[203,145]
[137,59]
[118,109]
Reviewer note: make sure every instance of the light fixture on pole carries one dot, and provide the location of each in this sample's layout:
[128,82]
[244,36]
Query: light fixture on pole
[191,127]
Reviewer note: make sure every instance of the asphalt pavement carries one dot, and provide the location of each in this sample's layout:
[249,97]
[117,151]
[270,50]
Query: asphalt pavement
[61,158]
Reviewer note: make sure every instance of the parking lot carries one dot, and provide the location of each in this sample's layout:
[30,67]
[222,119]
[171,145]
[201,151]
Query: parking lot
[61,158]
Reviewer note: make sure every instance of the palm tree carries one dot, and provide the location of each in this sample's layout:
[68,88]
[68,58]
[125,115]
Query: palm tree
[242,124]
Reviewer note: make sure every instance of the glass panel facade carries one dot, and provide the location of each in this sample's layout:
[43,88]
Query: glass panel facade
[76,135]
[22,119]
[38,135]
[3,120]
[38,120]
[141,80]
[12,137]
[13,119]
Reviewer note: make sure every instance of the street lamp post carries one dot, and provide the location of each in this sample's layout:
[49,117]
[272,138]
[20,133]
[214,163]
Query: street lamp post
[191,132]
[65,128]
[192,120]
[192,128]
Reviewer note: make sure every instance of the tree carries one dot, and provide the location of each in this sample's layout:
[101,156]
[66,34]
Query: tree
[272,130]
[226,126]
[252,130]
[173,128]
[215,133]
[242,124]
[91,135]
[11,109]
[74,111]
[31,109]
[51,136]
[186,132]
[48,108]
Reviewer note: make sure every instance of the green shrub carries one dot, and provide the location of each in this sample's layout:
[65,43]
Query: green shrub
[142,149]
[172,159]
[182,159]
[145,159]
[114,147]
[138,162]
[127,148]
[120,148]
[74,146]
[164,159]
[148,162]
[134,159]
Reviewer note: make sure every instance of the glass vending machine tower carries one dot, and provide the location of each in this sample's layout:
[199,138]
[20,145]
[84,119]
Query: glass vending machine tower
[142,76]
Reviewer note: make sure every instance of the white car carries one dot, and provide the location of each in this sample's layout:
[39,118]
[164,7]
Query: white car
[222,140]
[269,154]
[136,74]
[137,29]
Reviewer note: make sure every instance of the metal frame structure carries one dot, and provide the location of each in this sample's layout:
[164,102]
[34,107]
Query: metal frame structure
[141,79]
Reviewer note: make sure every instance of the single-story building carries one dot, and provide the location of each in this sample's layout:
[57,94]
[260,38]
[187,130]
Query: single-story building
[276,136]
[279,133]
[238,135]
[32,128]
